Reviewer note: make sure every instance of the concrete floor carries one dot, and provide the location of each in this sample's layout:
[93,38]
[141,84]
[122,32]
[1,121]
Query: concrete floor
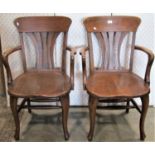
[45,125]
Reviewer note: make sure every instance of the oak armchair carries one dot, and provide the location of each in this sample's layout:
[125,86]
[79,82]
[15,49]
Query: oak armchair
[113,79]
[41,80]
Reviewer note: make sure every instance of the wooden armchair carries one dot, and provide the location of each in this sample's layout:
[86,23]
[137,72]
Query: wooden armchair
[41,80]
[113,80]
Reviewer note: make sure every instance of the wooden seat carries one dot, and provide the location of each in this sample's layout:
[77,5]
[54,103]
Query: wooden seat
[36,84]
[116,84]
[44,77]
[110,77]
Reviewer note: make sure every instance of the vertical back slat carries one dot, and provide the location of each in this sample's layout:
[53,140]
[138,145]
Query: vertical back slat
[23,51]
[127,50]
[123,35]
[132,51]
[111,43]
[116,50]
[39,48]
[102,48]
[37,51]
[107,47]
[64,52]
[51,42]
[44,48]
[91,58]
[49,38]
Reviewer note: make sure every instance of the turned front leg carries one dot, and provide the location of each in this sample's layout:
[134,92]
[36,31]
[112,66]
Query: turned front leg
[13,105]
[145,104]
[92,114]
[65,109]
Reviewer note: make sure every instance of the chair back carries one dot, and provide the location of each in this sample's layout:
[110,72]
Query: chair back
[40,38]
[112,38]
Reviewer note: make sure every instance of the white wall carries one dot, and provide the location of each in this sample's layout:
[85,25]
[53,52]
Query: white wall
[77,36]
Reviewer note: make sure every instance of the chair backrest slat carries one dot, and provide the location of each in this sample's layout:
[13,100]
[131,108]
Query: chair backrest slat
[132,51]
[43,24]
[112,23]
[103,48]
[91,59]
[23,52]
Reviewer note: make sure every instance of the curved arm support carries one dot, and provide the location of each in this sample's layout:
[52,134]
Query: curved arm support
[4,57]
[150,55]
[72,62]
[83,54]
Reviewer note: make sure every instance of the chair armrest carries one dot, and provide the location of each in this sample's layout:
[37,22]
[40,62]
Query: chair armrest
[83,54]
[72,60]
[150,55]
[10,51]
[4,57]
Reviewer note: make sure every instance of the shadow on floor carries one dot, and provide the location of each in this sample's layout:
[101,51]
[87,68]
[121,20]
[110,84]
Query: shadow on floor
[109,127]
